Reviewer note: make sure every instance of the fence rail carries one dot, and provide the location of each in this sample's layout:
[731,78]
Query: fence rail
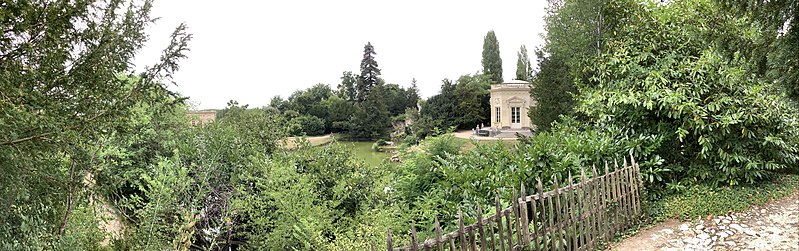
[575,217]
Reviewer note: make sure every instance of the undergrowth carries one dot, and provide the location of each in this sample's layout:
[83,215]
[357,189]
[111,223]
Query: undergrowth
[702,200]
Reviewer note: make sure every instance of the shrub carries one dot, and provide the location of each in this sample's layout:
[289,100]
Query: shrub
[309,125]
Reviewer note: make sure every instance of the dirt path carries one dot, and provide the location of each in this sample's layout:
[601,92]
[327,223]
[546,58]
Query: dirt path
[774,226]
[291,143]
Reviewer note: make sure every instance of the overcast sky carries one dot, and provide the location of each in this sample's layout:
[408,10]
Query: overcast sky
[252,50]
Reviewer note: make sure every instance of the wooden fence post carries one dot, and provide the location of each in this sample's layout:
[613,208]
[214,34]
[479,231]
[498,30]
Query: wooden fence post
[438,236]
[572,215]
[499,222]
[516,218]
[534,220]
[413,238]
[461,230]
[544,230]
[525,222]
[558,209]
[597,207]
[388,240]
[587,210]
[481,228]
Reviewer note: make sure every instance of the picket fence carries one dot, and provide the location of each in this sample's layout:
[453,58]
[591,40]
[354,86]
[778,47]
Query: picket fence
[575,217]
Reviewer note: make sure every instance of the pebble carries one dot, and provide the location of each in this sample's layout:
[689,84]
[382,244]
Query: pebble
[777,228]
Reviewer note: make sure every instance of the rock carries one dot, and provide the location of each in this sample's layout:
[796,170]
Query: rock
[737,227]
[684,227]
[750,232]
[703,236]
[692,241]
[667,231]
[722,227]
[763,211]
[716,221]
[700,227]
[725,221]
[722,234]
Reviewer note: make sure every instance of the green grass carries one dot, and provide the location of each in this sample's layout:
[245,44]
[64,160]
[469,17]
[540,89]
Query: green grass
[703,200]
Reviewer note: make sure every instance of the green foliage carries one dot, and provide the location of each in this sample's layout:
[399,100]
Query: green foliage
[346,89]
[65,86]
[472,95]
[524,69]
[725,126]
[370,74]
[371,119]
[552,89]
[492,63]
[702,200]
[309,125]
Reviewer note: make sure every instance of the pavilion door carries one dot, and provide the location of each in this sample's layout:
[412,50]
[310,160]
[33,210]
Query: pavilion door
[515,118]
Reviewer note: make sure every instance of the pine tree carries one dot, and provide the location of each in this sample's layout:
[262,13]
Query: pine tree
[523,67]
[492,63]
[413,94]
[369,72]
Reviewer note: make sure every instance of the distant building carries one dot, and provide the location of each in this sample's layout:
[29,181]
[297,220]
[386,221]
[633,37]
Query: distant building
[202,117]
[510,102]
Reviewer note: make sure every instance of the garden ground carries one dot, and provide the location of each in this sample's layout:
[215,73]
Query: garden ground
[773,226]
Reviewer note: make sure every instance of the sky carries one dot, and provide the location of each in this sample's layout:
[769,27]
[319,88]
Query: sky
[250,51]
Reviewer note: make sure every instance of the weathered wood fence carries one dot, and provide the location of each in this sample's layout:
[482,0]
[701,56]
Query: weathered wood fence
[575,217]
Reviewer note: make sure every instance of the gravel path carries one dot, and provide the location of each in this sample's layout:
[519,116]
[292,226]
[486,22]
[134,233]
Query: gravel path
[774,226]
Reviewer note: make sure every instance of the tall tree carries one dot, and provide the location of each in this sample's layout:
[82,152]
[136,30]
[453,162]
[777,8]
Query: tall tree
[413,94]
[552,90]
[370,74]
[524,69]
[472,96]
[346,89]
[492,63]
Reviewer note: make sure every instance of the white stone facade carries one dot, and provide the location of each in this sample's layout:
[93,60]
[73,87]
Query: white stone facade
[510,102]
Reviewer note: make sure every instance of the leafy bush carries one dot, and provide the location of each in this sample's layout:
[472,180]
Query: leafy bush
[719,123]
[309,125]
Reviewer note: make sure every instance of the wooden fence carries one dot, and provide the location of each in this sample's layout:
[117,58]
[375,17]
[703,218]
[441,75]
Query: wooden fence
[575,217]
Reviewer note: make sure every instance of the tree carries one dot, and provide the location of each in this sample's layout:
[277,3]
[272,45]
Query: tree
[472,97]
[371,120]
[492,63]
[440,111]
[370,74]
[552,89]
[66,84]
[524,69]
[413,94]
[346,89]
[778,49]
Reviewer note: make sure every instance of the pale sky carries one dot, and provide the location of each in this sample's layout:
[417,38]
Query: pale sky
[250,51]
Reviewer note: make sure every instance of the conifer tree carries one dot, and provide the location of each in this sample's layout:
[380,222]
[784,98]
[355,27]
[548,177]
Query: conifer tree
[369,72]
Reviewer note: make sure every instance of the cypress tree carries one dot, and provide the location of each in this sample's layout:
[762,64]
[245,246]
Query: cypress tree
[492,63]
[523,67]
